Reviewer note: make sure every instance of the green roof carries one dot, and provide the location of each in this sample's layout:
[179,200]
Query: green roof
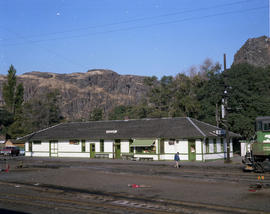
[142,143]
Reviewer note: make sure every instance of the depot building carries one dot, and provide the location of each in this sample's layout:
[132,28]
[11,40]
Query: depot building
[153,139]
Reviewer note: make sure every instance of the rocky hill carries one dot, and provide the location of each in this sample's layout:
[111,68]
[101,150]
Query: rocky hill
[80,93]
[255,51]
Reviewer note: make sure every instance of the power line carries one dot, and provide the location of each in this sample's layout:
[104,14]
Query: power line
[138,19]
[142,26]
[47,49]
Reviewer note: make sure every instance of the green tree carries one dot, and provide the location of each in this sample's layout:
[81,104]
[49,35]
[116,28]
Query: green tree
[13,94]
[52,110]
[199,94]
[210,92]
[18,102]
[9,90]
[6,119]
[96,114]
[248,97]
[42,112]
[119,112]
[159,96]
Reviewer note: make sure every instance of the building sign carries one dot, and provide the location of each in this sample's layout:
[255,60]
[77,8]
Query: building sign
[111,131]
[220,132]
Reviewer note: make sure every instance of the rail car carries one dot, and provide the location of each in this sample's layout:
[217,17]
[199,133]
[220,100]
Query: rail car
[258,159]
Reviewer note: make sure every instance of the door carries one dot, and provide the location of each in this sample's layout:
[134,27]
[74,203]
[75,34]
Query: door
[162,151]
[191,150]
[117,151]
[92,150]
[53,148]
[30,146]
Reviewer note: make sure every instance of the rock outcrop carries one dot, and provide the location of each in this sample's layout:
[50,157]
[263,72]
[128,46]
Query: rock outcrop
[80,93]
[255,51]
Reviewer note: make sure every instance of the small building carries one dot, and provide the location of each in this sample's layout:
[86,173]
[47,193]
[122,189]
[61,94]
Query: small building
[2,141]
[157,139]
[10,143]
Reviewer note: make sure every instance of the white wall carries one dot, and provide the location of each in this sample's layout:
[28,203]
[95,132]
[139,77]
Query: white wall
[87,146]
[211,146]
[219,145]
[198,144]
[70,154]
[124,146]
[171,157]
[97,146]
[155,157]
[43,147]
[108,146]
[26,147]
[180,146]
[183,146]
[157,146]
[167,157]
[213,156]
[199,157]
[38,154]
[170,148]
[64,146]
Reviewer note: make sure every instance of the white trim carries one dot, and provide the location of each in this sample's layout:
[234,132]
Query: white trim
[196,127]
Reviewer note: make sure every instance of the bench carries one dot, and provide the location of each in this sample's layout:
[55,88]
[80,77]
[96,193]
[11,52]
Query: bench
[101,155]
[127,156]
[146,158]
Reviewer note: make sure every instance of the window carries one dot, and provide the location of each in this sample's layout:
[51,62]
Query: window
[131,149]
[101,145]
[259,126]
[83,145]
[215,145]
[206,145]
[266,126]
[74,142]
[222,144]
[146,150]
[171,142]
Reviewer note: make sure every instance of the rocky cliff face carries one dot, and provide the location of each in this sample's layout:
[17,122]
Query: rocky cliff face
[255,51]
[80,93]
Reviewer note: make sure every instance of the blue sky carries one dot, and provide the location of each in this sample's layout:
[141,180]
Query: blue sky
[138,37]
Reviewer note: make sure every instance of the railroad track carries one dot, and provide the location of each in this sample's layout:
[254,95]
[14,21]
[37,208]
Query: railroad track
[202,175]
[71,200]
[226,176]
[214,175]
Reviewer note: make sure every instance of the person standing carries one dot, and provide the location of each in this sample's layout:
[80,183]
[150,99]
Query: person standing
[177,160]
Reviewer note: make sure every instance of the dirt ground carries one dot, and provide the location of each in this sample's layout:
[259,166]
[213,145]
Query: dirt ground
[213,183]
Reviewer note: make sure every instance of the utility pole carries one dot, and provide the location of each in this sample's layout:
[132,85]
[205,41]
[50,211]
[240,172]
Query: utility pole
[217,116]
[225,103]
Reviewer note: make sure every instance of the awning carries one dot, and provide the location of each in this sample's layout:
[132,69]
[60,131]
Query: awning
[142,143]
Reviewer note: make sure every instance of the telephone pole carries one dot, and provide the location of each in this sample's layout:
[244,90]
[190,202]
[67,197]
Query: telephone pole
[225,103]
